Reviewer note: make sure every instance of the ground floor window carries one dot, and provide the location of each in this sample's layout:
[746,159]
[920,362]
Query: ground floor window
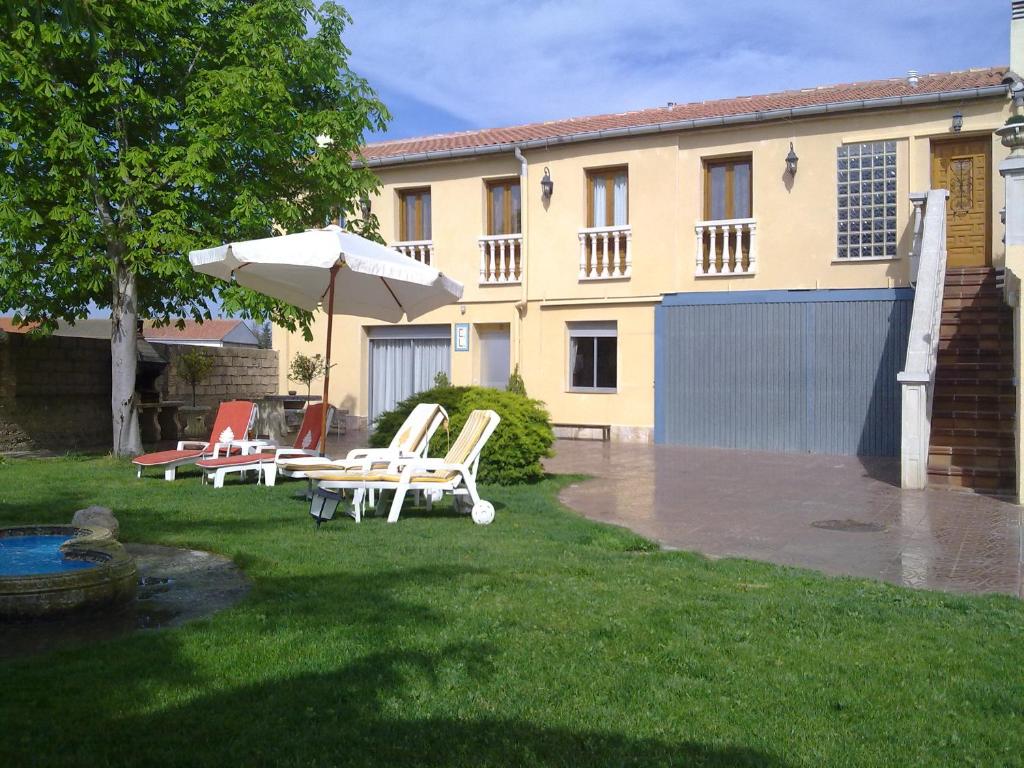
[593,357]
[403,361]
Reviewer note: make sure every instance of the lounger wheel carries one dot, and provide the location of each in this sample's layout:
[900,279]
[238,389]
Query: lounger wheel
[483,513]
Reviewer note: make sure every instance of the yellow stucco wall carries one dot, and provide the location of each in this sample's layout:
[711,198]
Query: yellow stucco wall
[796,223]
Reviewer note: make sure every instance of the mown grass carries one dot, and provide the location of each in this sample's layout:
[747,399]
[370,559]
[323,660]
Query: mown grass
[543,639]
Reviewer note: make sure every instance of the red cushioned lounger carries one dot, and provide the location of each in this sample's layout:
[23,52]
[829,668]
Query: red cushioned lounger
[234,420]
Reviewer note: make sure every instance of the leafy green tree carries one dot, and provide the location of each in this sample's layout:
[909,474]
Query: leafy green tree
[305,370]
[194,367]
[133,131]
[266,336]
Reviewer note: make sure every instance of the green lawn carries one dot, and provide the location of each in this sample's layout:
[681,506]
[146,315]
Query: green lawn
[543,639]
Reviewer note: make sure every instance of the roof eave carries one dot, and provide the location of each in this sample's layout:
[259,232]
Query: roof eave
[917,99]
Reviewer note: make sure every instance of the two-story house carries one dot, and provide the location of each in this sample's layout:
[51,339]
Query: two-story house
[731,273]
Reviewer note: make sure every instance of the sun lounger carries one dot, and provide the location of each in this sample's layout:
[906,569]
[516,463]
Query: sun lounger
[234,420]
[455,474]
[262,457]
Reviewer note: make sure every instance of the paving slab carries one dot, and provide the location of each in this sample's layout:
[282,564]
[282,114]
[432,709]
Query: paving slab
[841,515]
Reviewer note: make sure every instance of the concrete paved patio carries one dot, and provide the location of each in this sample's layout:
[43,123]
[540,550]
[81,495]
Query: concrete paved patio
[837,514]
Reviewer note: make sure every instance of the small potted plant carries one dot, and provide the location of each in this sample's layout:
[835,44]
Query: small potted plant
[305,370]
[194,368]
[1011,134]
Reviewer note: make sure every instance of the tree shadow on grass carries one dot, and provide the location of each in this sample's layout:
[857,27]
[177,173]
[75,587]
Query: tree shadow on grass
[406,707]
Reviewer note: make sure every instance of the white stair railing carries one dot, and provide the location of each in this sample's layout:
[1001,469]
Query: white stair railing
[917,380]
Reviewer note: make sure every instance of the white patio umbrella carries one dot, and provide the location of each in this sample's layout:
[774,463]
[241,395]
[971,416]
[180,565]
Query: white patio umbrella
[333,270]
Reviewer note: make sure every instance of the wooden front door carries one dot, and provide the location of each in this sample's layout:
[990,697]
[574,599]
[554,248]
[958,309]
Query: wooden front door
[962,167]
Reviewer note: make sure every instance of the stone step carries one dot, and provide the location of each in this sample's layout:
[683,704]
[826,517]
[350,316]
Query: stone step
[962,339]
[979,424]
[960,303]
[974,355]
[972,438]
[988,481]
[988,369]
[945,388]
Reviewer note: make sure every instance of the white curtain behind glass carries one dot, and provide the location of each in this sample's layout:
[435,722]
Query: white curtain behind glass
[621,186]
[400,368]
[600,206]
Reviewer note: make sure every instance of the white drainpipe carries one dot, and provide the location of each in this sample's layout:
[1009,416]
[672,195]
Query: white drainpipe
[523,208]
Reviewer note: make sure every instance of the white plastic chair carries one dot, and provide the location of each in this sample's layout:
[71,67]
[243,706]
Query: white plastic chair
[455,474]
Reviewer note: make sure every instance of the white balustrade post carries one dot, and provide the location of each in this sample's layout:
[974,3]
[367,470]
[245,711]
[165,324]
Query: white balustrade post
[629,253]
[617,270]
[583,255]
[713,255]
[726,254]
[502,278]
[492,277]
[698,249]
[483,261]
[604,256]
[738,269]
[752,253]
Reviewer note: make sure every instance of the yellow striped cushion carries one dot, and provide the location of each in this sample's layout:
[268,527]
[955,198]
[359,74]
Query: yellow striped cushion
[468,438]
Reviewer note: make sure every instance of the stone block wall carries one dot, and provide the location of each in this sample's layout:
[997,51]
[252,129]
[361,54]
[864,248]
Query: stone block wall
[239,373]
[54,393]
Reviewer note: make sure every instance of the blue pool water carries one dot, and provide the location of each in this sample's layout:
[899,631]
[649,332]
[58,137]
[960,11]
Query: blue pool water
[31,555]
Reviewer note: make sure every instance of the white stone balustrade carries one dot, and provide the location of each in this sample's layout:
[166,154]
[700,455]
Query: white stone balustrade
[501,259]
[606,253]
[725,247]
[917,379]
[421,250]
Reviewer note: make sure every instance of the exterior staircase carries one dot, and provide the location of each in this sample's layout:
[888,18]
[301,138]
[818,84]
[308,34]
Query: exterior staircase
[972,434]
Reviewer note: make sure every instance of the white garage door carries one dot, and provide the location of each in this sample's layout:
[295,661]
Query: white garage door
[403,361]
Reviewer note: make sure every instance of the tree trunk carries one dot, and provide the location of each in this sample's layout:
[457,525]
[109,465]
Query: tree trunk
[123,357]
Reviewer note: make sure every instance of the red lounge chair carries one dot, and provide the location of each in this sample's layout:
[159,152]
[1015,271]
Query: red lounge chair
[234,420]
[264,458]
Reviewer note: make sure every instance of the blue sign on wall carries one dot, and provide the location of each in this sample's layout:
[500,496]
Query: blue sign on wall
[462,337]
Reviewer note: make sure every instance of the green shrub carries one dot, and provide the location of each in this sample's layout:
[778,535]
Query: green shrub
[516,383]
[513,453]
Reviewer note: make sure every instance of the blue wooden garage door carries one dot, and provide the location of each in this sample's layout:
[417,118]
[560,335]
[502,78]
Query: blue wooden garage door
[811,371]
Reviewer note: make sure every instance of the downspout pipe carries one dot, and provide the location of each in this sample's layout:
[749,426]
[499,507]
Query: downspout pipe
[524,207]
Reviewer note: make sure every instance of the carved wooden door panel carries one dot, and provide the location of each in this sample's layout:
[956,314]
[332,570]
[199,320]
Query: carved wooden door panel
[962,167]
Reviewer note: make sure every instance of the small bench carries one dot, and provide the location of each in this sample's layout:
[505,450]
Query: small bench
[606,429]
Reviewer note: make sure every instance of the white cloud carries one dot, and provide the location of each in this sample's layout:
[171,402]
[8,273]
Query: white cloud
[495,63]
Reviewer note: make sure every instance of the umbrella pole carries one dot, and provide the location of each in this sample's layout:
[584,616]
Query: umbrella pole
[327,369]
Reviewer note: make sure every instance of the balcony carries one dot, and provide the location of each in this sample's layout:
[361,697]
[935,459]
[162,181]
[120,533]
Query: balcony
[726,247]
[421,250]
[606,253]
[501,259]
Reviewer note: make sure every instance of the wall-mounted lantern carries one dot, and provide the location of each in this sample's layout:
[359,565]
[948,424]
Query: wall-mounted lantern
[791,161]
[547,186]
[958,121]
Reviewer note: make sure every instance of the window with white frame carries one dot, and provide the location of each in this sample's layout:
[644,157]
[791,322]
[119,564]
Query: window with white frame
[866,178]
[593,356]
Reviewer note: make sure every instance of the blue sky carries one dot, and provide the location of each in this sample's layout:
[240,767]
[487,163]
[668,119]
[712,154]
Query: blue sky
[463,64]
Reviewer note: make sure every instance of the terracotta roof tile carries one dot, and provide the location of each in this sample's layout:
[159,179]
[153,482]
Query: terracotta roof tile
[210,330]
[846,92]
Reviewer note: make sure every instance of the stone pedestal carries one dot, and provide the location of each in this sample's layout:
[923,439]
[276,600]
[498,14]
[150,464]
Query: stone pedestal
[149,425]
[170,426]
[194,422]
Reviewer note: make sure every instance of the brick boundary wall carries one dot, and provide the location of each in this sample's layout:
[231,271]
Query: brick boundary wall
[55,390]
[54,393]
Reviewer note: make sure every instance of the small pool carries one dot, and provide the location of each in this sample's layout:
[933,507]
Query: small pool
[33,555]
[46,570]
